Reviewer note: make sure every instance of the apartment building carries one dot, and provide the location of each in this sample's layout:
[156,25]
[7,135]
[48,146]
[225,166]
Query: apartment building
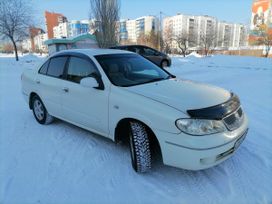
[231,35]
[61,30]
[71,29]
[39,42]
[131,30]
[78,27]
[193,26]
[33,31]
[53,19]
[226,34]
[240,34]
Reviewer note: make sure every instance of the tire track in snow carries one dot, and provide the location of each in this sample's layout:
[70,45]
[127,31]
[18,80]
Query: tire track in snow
[198,183]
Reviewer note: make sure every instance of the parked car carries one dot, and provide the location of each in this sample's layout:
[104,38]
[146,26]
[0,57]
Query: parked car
[123,96]
[155,56]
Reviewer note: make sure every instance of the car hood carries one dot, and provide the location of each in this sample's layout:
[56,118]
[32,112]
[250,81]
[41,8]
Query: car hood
[182,94]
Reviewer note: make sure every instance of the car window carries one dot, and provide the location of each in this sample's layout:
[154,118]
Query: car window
[130,69]
[123,48]
[148,51]
[56,67]
[137,50]
[43,69]
[79,68]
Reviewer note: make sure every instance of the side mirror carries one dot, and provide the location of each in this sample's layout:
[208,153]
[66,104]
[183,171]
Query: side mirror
[94,81]
[89,82]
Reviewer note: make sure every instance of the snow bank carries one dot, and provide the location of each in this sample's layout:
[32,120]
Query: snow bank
[194,54]
[61,163]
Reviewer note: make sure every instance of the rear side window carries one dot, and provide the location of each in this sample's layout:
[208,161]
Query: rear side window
[43,69]
[56,67]
[79,68]
[149,52]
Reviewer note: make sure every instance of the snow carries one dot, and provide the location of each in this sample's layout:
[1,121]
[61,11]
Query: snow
[61,163]
[194,54]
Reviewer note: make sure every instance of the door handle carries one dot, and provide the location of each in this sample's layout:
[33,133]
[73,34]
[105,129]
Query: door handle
[38,81]
[65,89]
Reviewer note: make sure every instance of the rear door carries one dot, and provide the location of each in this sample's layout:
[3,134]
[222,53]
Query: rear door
[84,106]
[49,84]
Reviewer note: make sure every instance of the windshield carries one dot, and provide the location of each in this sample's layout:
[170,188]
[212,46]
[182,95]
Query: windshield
[130,69]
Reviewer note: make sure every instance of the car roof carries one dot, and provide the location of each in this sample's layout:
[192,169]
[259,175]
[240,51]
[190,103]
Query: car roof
[121,46]
[92,52]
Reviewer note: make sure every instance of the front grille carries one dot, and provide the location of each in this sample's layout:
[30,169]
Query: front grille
[234,120]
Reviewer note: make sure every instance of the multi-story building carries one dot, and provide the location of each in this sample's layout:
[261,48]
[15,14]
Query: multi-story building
[131,30]
[224,34]
[199,27]
[192,26]
[240,35]
[146,24]
[78,27]
[61,30]
[26,45]
[53,19]
[71,29]
[34,32]
[39,42]
[231,34]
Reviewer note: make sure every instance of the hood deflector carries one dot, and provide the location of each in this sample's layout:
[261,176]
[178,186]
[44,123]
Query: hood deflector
[217,112]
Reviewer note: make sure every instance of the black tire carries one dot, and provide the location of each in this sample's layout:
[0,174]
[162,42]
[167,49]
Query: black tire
[39,111]
[164,64]
[139,147]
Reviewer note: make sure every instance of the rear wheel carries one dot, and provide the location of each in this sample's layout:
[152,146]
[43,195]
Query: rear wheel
[39,111]
[139,147]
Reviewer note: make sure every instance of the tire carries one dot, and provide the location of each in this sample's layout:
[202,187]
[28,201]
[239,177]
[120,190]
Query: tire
[39,111]
[139,147]
[164,64]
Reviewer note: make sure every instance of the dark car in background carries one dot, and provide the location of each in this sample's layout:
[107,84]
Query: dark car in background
[155,56]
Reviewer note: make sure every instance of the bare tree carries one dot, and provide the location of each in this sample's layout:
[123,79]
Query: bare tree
[167,40]
[266,40]
[15,19]
[184,40]
[208,42]
[106,14]
[151,39]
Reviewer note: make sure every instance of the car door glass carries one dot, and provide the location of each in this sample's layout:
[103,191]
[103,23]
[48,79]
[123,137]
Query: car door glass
[56,67]
[43,69]
[79,68]
[149,52]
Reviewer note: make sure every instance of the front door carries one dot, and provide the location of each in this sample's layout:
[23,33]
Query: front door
[87,107]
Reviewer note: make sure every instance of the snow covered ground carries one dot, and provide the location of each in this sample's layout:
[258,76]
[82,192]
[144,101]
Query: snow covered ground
[61,163]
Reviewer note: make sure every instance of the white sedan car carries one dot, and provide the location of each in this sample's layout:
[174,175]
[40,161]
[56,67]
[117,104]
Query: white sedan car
[125,97]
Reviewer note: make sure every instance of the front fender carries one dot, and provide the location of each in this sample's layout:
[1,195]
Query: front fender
[158,116]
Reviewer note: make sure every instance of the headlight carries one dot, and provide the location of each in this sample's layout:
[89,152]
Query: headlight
[200,126]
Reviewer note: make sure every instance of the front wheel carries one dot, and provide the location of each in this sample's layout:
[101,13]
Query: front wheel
[139,147]
[39,111]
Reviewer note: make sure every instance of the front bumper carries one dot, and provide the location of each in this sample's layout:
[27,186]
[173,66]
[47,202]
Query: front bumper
[200,152]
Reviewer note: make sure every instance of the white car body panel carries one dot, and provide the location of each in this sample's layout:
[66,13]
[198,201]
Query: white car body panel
[182,92]
[85,106]
[158,105]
